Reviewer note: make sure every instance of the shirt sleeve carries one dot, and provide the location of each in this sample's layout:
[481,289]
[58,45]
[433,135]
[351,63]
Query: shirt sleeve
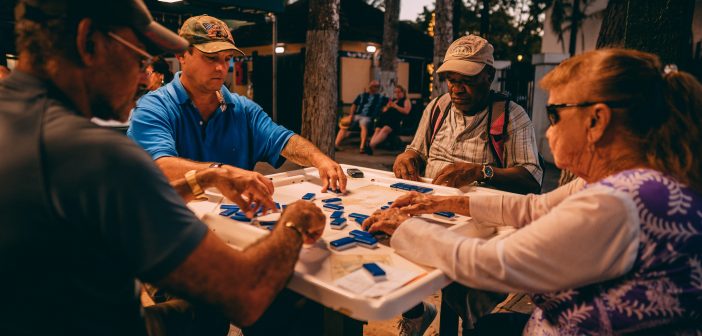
[151,128]
[519,210]
[597,227]
[520,147]
[122,202]
[268,138]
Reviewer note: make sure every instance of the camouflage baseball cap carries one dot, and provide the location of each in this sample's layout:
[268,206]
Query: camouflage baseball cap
[468,56]
[208,34]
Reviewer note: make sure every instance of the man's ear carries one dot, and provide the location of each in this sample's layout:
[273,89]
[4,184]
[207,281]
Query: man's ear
[85,42]
[599,121]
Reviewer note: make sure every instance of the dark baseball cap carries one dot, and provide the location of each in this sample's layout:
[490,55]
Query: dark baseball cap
[120,13]
[208,34]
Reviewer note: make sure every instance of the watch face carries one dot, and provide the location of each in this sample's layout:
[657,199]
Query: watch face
[488,172]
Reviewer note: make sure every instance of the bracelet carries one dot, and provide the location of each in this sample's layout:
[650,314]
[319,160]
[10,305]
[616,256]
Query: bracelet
[216,165]
[295,227]
[192,182]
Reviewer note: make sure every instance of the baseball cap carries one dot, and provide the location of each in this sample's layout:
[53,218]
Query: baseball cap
[208,34]
[468,56]
[126,13]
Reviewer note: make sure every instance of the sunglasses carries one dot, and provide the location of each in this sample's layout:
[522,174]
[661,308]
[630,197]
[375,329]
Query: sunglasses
[552,109]
[146,58]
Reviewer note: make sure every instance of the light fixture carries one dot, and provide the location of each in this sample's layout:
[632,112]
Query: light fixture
[371,48]
[520,57]
[279,49]
[170,1]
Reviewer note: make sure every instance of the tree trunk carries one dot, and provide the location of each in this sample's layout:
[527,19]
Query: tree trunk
[388,60]
[485,19]
[443,36]
[575,18]
[319,101]
[660,27]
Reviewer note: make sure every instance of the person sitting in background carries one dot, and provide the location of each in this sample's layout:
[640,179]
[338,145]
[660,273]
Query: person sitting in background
[157,75]
[195,122]
[472,134]
[365,107]
[391,118]
[85,214]
[622,253]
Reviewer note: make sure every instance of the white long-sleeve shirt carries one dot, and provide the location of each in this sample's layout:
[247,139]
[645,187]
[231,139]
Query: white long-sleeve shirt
[567,238]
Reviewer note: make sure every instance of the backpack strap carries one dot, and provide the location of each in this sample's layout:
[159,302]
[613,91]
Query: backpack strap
[496,139]
[436,120]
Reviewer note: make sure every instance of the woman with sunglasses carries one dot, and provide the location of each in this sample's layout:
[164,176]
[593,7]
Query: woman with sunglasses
[617,251]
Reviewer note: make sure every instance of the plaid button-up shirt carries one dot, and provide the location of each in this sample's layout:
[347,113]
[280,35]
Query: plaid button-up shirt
[464,139]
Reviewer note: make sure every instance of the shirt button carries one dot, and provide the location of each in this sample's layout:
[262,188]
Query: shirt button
[200,122]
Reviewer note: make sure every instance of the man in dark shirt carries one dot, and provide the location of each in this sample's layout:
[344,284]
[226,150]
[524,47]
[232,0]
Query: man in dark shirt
[365,107]
[84,212]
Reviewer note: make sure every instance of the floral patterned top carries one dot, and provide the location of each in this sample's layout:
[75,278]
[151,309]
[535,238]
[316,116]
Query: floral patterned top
[662,293]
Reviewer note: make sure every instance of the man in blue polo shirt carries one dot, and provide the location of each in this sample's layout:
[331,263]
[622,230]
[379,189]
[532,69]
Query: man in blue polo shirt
[194,122]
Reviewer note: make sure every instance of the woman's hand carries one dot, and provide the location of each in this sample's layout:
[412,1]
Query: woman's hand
[385,221]
[416,203]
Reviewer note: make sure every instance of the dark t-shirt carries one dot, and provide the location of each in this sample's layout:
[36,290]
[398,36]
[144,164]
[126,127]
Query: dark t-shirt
[369,105]
[84,213]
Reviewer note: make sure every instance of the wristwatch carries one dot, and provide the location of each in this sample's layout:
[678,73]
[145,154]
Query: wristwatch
[488,173]
[216,165]
[192,182]
[294,226]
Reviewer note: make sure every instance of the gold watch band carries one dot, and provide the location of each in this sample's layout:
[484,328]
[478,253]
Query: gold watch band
[295,227]
[192,182]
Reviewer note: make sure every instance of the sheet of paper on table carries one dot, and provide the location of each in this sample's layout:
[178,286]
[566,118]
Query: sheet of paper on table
[342,265]
[359,282]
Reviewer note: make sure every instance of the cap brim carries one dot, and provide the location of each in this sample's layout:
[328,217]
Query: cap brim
[217,46]
[462,67]
[162,40]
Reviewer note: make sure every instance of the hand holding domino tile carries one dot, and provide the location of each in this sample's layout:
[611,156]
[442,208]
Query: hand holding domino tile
[307,217]
[385,221]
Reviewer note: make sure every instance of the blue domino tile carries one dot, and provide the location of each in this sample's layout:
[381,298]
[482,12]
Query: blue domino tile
[240,218]
[359,233]
[337,214]
[342,244]
[308,196]
[358,215]
[331,200]
[229,206]
[446,214]
[228,212]
[333,206]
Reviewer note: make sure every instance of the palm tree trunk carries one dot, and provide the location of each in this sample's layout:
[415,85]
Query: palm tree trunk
[661,27]
[574,25]
[319,100]
[388,60]
[443,36]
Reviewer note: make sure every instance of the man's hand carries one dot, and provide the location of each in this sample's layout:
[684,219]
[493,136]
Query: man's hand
[385,221]
[249,190]
[459,174]
[307,217]
[407,165]
[331,173]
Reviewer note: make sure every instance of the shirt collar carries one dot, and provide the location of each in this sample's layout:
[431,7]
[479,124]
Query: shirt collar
[182,97]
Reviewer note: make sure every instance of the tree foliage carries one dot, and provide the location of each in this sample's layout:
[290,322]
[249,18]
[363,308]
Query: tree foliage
[515,25]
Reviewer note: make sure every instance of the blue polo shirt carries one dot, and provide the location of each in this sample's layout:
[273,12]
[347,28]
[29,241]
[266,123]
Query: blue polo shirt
[165,122]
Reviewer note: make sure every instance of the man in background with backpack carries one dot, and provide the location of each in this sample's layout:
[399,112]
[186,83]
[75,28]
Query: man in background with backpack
[471,134]
[366,106]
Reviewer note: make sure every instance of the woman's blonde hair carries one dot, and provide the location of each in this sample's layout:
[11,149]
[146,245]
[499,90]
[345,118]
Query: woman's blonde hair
[663,111]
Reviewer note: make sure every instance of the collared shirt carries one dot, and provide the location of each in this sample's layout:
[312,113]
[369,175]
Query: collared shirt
[84,212]
[463,138]
[167,123]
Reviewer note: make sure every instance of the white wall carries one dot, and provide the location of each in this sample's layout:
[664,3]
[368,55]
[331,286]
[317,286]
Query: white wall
[587,35]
